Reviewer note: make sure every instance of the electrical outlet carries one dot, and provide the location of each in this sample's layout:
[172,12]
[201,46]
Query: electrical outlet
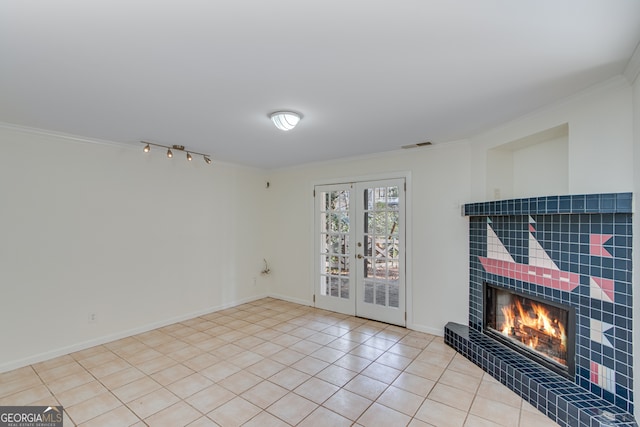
[92,318]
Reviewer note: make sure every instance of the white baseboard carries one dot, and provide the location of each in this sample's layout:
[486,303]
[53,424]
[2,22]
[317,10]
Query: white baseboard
[426,329]
[294,300]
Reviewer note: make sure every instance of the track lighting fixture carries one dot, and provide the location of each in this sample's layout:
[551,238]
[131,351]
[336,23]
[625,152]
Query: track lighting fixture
[147,148]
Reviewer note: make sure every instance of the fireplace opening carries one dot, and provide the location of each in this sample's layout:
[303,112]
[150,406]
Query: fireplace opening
[542,330]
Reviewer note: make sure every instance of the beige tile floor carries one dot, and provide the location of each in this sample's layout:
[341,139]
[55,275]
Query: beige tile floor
[270,363]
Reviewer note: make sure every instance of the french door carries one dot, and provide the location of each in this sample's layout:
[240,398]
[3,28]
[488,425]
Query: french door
[360,249]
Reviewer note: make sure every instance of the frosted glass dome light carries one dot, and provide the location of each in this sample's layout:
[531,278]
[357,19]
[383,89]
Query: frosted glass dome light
[285,120]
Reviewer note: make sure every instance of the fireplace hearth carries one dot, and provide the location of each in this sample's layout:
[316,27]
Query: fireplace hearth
[539,329]
[557,327]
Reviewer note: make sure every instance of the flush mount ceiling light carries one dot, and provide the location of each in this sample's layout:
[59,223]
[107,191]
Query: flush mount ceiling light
[285,120]
[148,145]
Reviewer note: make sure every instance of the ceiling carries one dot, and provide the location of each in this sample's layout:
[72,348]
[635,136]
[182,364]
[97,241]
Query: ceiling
[368,76]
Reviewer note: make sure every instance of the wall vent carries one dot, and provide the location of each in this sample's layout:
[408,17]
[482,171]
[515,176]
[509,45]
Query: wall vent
[418,145]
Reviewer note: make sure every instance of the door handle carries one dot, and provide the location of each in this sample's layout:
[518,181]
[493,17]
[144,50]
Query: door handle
[359,256]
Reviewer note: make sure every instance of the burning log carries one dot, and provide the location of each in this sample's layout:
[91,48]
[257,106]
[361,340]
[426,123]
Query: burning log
[541,337]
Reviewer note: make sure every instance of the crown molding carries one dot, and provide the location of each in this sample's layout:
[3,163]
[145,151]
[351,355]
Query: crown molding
[62,135]
[95,141]
[632,69]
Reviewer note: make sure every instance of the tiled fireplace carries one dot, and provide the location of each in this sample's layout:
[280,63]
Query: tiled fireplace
[571,255]
[539,329]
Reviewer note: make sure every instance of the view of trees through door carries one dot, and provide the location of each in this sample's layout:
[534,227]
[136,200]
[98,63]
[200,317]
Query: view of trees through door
[381,259]
[360,249]
[335,243]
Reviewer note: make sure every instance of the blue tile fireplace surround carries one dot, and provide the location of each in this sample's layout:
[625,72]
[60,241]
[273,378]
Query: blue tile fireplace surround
[572,251]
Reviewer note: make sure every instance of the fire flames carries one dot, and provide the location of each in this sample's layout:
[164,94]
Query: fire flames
[531,326]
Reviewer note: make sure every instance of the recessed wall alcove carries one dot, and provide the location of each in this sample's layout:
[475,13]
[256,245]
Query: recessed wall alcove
[514,169]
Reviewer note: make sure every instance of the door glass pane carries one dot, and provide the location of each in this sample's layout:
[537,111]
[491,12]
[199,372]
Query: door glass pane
[324,285]
[368,199]
[368,292]
[394,295]
[344,266]
[344,288]
[381,246]
[338,222]
[368,246]
[380,295]
[326,263]
[334,286]
[368,268]
[344,244]
[393,198]
[334,243]
[394,271]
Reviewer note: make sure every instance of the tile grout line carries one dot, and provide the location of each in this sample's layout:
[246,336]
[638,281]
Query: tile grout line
[304,324]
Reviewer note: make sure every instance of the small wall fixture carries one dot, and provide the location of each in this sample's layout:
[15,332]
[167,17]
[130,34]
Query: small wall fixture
[148,145]
[285,120]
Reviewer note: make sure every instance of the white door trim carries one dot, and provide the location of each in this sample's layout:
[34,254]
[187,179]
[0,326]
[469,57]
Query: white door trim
[408,230]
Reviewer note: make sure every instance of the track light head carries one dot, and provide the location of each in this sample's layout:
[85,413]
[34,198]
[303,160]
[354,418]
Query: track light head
[207,159]
[147,148]
[189,156]
[169,153]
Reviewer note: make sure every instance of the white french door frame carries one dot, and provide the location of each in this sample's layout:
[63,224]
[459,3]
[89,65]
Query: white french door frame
[408,259]
[339,291]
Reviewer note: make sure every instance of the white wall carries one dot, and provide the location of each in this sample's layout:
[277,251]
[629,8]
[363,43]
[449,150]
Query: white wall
[137,239]
[499,174]
[438,252]
[551,156]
